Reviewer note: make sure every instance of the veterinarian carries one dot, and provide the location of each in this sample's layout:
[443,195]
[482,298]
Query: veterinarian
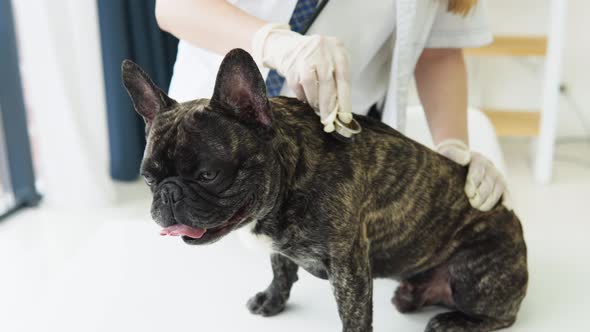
[358,56]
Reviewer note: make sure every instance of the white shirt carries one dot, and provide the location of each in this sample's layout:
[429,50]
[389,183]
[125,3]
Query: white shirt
[384,38]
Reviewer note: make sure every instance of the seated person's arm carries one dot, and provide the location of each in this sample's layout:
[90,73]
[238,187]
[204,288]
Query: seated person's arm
[442,86]
[215,25]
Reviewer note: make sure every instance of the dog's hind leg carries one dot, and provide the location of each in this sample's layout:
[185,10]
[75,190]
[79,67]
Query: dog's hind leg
[457,321]
[427,288]
[488,281]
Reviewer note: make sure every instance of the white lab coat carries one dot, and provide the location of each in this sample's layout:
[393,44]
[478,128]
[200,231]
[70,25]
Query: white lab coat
[385,39]
[426,24]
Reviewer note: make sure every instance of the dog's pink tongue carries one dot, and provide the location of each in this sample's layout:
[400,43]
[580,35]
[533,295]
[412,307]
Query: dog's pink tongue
[179,229]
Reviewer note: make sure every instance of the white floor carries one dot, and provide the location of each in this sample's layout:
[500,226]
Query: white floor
[108,270]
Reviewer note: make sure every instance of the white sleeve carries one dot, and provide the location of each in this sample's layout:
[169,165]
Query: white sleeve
[457,31]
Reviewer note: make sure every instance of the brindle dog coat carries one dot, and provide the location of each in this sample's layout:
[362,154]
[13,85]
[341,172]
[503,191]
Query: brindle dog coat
[380,206]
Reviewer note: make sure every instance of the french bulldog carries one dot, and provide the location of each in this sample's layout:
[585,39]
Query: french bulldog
[378,206]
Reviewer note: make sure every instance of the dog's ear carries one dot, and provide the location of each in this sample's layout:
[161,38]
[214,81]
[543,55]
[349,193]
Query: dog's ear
[147,98]
[240,89]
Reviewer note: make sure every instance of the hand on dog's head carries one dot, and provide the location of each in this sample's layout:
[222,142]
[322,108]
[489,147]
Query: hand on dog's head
[207,161]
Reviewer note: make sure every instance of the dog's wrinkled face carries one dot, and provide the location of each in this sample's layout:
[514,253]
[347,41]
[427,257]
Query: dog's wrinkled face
[207,162]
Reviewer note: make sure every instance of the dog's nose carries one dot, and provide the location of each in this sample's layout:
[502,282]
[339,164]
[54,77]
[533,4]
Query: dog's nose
[170,193]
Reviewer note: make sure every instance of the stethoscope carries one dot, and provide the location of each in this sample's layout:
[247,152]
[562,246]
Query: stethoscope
[343,132]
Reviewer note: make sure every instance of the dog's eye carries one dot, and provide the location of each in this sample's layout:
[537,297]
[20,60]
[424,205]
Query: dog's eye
[208,176]
[149,180]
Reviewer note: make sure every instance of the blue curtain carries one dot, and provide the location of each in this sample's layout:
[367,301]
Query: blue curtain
[18,148]
[129,31]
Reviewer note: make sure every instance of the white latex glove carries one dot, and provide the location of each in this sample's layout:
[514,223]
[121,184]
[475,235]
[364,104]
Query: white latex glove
[315,67]
[485,185]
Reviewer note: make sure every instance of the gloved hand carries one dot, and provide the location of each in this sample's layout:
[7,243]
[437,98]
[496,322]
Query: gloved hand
[315,67]
[485,185]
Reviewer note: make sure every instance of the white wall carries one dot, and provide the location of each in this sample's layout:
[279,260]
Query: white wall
[517,82]
[62,76]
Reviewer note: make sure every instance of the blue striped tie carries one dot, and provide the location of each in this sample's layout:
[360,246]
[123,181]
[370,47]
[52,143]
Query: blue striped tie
[303,12]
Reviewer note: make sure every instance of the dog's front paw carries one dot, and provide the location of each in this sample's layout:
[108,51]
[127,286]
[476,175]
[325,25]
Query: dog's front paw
[266,304]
